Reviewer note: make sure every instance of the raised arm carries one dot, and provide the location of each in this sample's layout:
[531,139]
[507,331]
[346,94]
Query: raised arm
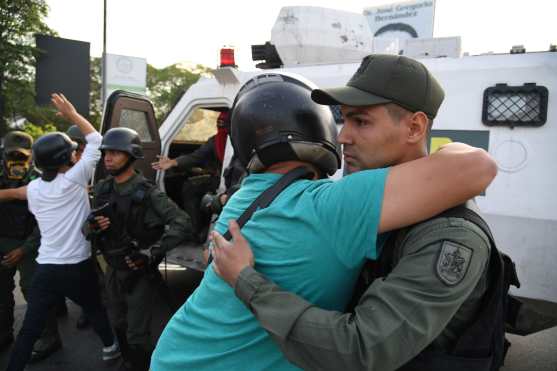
[67,110]
[420,189]
[82,171]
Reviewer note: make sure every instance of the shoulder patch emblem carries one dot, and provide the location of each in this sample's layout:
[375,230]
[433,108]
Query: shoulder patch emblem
[453,262]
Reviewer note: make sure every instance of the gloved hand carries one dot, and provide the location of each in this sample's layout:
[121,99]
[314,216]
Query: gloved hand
[137,261]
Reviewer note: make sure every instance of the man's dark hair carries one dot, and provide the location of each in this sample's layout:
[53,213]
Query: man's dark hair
[397,113]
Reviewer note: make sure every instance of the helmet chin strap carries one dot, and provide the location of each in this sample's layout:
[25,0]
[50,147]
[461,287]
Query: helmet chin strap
[123,168]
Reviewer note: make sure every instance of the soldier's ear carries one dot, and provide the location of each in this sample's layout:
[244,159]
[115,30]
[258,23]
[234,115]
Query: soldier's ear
[418,125]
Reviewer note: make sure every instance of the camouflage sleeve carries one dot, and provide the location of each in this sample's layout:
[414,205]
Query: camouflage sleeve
[396,318]
[177,223]
[32,242]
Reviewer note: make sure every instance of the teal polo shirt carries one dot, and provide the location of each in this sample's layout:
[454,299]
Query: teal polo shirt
[312,240]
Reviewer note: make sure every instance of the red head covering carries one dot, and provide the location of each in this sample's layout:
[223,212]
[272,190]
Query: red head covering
[223,124]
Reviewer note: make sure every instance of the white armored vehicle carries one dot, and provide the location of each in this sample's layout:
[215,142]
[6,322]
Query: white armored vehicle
[504,103]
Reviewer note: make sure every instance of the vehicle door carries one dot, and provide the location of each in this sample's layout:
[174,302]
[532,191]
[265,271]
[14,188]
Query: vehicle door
[129,110]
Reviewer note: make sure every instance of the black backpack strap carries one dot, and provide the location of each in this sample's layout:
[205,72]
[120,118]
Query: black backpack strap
[499,306]
[268,196]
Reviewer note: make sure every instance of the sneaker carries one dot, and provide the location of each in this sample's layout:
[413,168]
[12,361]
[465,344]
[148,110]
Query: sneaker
[111,352]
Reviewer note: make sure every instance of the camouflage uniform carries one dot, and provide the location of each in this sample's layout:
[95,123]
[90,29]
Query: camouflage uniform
[141,216]
[428,294]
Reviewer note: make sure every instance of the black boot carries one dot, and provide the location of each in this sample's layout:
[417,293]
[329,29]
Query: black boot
[43,348]
[138,359]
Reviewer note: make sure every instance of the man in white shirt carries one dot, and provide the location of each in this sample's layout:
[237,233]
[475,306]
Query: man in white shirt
[60,204]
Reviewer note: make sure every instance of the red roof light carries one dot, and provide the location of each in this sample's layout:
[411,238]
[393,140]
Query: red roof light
[227,57]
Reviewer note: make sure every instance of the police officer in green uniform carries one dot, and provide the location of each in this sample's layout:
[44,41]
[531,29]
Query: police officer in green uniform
[133,224]
[434,299]
[19,241]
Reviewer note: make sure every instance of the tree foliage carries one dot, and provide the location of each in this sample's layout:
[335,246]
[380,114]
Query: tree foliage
[166,86]
[20,20]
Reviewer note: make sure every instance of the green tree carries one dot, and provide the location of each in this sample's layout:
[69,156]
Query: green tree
[19,21]
[165,86]
[38,130]
[95,101]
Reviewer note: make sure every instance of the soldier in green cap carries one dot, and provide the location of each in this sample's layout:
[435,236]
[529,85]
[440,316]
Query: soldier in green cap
[315,236]
[133,224]
[434,299]
[19,241]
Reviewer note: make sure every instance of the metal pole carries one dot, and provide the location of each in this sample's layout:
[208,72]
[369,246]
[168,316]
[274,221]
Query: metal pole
[103,91]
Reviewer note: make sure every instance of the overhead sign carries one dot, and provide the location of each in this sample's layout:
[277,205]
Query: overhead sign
[405,20]
[63,66]
[125,73]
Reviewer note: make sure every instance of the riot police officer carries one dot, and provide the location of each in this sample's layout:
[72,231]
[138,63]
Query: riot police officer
[133,224]
[19,240]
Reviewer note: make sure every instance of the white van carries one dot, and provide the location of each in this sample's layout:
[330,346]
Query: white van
[504,103]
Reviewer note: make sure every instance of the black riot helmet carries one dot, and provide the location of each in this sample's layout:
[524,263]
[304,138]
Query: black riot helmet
[51,151]
[274,119]
[123,140]
[75,134]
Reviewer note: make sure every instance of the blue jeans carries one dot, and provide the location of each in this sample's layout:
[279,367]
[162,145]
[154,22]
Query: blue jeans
[77,282]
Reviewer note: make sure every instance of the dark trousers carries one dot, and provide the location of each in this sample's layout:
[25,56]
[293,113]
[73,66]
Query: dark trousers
[79,283]
[26,268]
[131,310]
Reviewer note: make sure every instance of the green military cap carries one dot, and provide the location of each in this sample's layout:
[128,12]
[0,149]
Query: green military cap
[18,141]
[384,78]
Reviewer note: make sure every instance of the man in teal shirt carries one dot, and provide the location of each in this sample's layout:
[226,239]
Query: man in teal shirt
[433,301]
[300,239]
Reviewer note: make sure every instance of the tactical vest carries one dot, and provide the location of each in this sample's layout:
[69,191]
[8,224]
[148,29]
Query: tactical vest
[17,221]
[128,231]
[482,346]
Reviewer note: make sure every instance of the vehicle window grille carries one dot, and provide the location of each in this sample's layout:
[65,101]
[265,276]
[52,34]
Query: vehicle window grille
[515,105]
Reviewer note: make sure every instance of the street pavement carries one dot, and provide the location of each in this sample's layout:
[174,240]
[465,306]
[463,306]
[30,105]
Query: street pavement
[82,348]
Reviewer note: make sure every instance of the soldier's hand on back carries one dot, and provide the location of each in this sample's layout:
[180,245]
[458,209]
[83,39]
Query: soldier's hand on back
[231,257]
[13,257]
[64,106]
[164,163]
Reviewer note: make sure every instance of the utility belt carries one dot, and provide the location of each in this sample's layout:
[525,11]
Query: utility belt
[128,278]
[115,256]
